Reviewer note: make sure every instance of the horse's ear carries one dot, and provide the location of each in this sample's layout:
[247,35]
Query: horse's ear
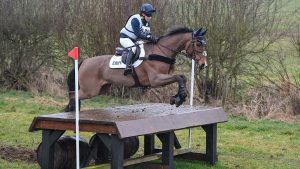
[198,32]
[202,33]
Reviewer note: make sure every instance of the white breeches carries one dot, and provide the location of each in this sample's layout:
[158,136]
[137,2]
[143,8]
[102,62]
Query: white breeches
[126,42]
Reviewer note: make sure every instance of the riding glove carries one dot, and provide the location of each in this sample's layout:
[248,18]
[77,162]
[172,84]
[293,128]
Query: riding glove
[153,39]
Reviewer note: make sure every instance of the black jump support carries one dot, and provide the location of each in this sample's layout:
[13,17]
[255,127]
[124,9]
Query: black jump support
[211,145]
[49,137]
[112,125]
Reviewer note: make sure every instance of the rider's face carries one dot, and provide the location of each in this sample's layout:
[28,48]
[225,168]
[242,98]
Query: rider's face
[147,18]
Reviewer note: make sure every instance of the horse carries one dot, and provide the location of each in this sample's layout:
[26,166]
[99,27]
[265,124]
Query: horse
[95,75]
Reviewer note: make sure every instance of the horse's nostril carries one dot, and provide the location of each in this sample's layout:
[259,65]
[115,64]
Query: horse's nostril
[202,66]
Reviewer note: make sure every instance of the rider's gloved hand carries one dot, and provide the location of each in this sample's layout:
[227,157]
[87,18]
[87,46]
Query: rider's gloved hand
[153,39]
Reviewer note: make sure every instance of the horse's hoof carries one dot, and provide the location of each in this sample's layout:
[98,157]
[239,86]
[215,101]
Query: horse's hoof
[172,100]
[69,108]
[175,100]
[179,103]
[180,99]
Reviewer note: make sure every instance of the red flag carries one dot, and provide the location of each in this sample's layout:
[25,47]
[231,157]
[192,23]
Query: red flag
[74,53]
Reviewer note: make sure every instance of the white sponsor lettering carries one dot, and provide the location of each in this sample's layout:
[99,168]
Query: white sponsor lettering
[117,62]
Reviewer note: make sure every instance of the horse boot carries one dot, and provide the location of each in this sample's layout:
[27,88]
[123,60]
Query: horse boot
[71,105]
[128,69]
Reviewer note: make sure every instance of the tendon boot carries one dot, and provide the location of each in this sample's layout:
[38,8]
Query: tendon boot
[71,105]
[128,69]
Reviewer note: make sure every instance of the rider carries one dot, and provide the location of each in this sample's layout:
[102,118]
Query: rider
[137,28]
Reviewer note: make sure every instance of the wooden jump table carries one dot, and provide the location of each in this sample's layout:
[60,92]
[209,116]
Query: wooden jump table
[133,120]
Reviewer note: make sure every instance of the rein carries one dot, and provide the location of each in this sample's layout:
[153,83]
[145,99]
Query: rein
[175,51]
[180,52]
[167,59]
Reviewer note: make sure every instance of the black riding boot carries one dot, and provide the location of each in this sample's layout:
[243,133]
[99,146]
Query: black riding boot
[128,69]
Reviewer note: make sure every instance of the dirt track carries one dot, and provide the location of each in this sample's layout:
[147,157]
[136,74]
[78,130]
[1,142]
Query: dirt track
[12,154]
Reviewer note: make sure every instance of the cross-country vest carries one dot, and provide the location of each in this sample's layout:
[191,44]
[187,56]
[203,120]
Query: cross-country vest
[128,30]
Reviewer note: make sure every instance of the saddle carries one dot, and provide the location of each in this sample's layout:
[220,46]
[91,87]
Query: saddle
[118,60]
[124,51]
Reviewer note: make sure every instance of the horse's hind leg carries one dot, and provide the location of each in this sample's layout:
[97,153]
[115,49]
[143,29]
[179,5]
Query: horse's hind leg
[71,87]
[72,102]
[87,92]
[82,95]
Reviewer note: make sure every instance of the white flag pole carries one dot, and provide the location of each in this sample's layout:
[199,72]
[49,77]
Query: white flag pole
[74,54]
[191,100]
[77,115]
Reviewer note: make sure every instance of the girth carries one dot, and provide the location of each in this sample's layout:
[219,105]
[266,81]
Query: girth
[153,57]
[160,58]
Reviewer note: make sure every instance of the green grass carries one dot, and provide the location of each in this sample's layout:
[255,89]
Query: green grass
[241,143]
[16,165]
[288,13]
[290,5]
[270,66]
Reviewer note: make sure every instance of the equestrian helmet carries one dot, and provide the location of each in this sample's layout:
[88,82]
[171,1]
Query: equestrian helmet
[147,9]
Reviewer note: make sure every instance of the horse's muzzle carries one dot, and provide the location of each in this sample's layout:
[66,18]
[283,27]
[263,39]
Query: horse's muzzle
[203,66]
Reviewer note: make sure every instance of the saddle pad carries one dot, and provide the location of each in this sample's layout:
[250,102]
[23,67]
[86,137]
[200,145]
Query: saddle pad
[116,61]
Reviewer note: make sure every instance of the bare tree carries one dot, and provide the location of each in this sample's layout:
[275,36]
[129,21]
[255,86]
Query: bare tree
[37,34]
[25,41]
[237,31]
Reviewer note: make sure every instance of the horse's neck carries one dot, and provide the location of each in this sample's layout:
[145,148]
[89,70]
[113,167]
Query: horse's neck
[168,46]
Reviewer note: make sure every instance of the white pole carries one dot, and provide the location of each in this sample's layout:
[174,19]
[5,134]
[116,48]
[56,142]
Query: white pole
[191,100]
[192,83]
[77,115]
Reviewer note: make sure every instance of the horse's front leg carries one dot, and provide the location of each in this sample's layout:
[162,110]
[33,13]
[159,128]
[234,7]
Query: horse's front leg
[165,79]
[179,98]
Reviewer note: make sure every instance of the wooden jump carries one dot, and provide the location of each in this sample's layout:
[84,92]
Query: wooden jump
[135,120]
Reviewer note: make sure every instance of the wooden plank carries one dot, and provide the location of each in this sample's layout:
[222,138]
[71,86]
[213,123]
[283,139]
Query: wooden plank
[31,128]
[166,123]
[127,120]
[101,166]
[152,157]
[143,159]
[56,125]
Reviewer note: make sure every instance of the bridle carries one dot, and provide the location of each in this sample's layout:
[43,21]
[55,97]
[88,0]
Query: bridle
[191,55]
[195,51]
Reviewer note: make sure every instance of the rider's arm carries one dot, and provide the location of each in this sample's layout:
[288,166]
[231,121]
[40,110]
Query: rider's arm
[136,29]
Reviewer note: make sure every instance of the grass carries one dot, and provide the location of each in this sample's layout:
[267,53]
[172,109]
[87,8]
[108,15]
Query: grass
[290,5]
[16,165]
[241,143]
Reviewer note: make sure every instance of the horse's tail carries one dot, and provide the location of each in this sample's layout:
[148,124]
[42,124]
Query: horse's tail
[71,87]
[71,79]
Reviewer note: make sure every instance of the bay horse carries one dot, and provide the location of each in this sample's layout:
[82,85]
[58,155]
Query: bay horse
[96,76]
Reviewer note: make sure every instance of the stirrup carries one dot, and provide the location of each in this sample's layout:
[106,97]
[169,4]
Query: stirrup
[128,71]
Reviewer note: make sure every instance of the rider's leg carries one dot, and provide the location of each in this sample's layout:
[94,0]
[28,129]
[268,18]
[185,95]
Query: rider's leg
[127,43]
[128,69]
